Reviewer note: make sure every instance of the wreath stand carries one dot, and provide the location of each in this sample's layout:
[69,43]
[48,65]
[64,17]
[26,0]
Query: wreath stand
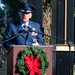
[12,55]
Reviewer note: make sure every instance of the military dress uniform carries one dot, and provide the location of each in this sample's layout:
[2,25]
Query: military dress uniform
[27,38]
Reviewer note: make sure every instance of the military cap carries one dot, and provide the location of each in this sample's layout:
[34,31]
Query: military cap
[26,7]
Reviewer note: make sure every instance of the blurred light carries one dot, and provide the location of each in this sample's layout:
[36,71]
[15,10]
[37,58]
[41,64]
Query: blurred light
[2,6]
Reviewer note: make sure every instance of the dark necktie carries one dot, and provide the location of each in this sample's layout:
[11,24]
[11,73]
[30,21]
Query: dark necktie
[26,30]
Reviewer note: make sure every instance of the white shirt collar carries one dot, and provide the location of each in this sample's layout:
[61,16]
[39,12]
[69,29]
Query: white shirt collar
[25,24]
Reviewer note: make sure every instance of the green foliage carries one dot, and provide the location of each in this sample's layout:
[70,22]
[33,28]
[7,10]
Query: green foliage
[1,65]
[1,13]
[1,23]
[74,11]
[2,29]
[12,4]
[36,51]
[13,9]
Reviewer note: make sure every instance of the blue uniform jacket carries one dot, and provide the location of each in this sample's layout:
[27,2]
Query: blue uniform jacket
[15,28]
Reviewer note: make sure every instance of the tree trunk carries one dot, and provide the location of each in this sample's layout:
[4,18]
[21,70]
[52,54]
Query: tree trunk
[47,20]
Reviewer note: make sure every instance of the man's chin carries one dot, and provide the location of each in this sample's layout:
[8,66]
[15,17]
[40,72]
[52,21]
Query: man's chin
[25,21]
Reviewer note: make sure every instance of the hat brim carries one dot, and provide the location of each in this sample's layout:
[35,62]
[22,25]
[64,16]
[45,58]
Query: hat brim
[25,11]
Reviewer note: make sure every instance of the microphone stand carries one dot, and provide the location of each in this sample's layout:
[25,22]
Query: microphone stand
[70,72]
[12,37]
[68,42]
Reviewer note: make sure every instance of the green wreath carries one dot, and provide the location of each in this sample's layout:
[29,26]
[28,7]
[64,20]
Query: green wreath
[35,51]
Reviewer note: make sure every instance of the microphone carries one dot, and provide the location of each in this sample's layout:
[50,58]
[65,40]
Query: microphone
[28,28]
[31,29]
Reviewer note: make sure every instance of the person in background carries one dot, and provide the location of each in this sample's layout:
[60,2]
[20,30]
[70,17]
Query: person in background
[28,37]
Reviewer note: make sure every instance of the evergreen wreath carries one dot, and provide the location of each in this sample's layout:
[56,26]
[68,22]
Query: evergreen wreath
[40,58]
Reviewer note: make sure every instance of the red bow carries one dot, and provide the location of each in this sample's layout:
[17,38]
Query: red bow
[33,64]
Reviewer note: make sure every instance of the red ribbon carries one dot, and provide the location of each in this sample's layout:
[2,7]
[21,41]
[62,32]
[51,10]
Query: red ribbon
[33,64]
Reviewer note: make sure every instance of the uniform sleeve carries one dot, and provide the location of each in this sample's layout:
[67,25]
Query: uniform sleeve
[7,35]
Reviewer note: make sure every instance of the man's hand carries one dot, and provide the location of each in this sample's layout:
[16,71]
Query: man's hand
[35,42]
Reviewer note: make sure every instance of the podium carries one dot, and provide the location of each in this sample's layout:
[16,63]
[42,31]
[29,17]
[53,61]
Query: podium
[12,55]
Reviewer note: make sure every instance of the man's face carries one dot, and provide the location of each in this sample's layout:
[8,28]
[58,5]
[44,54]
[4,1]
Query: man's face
[24,17]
